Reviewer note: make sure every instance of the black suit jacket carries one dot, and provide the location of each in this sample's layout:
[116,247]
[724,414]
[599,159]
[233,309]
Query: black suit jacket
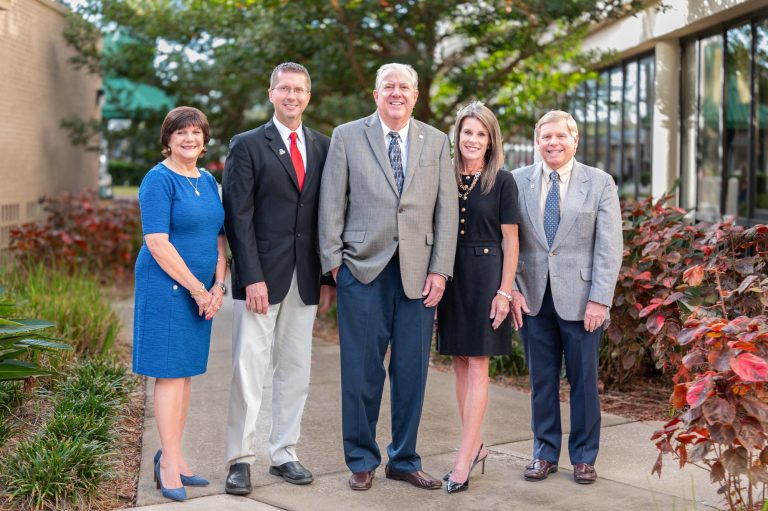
[271,226]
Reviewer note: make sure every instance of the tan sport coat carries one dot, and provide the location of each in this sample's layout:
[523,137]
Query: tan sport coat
[362,219]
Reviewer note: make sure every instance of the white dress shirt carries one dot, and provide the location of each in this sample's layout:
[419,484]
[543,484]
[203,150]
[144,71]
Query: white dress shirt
[285,135]
[403,141]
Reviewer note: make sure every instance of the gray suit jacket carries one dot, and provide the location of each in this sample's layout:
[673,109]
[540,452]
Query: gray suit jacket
[363,220]
[584,261]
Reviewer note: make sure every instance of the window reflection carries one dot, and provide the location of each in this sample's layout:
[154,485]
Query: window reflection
[614,125]
[688,131]
[645,117]
[761,134]
[738,105]
[710,107]
[601,137]
[615,116]
[630,130]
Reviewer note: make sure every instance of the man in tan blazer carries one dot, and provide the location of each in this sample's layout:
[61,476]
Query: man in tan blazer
[388,225]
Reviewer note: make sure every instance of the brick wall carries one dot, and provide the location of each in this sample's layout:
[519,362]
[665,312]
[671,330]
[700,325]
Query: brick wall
[38,88]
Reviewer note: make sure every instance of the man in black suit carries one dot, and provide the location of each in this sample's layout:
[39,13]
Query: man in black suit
[270,190]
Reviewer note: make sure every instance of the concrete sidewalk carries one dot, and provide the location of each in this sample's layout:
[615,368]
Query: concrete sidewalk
[624,465]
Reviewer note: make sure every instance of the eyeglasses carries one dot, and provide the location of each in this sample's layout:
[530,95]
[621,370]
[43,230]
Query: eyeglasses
[298,91]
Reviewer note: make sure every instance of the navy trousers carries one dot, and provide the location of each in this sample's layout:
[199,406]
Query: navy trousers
[546,337]
[373,317]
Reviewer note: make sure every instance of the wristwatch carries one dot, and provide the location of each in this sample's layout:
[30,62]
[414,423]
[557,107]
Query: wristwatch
[221,286]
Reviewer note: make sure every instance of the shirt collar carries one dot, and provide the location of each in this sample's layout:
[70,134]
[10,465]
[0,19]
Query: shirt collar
[403,132]
[285,131]
[564,171]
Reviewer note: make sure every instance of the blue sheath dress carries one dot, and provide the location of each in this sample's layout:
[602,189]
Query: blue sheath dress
[170,340]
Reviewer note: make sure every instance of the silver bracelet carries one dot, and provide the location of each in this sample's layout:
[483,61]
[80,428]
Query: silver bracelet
[504,294]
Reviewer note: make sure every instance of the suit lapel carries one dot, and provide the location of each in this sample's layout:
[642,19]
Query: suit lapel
[532,196]
[376,139]
[415,144]
[281,152]
[577,193]
[311,168]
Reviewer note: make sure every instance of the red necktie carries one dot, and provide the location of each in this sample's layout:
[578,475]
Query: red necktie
[298,163]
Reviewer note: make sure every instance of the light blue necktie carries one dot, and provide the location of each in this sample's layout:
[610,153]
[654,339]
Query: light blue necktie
[396,160]
[552,208]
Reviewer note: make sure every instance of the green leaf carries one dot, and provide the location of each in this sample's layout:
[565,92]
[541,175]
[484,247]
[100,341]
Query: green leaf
[15,370]
[44,344]
[26,325]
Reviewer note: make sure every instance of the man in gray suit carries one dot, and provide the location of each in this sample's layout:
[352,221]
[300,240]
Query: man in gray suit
[570,254]
[388,226]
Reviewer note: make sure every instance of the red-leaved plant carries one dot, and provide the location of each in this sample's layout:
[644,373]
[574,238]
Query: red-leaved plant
[83,232]
[721,361]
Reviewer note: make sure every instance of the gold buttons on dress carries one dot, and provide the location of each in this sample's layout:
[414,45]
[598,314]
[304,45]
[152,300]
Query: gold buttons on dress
[461,232]
[461,221]
[463,210]
[485,251]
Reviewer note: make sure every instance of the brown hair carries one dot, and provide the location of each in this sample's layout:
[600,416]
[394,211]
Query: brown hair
[494,155]
[289,67]
[180,118]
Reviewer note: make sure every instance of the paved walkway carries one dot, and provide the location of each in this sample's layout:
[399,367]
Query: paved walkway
[624,465]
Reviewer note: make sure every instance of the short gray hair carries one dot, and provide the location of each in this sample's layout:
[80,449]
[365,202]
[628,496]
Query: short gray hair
[554,116]
[289,67]
[400,67]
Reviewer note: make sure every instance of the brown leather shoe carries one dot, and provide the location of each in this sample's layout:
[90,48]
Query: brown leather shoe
[538,470]
[361,480]
[419,479]
[584,473]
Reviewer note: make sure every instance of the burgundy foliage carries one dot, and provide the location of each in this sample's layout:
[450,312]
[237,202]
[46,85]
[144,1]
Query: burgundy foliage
[82,232]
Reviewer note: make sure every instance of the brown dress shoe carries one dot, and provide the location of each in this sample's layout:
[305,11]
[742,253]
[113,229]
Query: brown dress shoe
[361,480]
[538,470]
[419,478]
[584,473]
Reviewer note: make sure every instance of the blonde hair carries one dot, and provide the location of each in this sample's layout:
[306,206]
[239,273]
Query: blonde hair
[554,116]
[494,155]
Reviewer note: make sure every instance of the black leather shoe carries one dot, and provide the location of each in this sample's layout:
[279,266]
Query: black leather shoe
[239,479]
[293,472]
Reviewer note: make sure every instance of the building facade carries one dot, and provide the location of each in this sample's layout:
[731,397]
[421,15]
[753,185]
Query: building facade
[38,89]
[685,103]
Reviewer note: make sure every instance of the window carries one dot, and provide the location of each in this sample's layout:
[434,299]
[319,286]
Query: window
[725,89]
[615,117]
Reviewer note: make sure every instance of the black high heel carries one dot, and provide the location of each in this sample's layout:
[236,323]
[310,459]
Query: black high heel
[475,461]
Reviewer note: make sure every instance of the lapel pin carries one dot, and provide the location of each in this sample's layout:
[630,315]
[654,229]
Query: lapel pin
[282,152]
[421,136]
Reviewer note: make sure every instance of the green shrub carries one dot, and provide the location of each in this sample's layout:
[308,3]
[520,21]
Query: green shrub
[509,365]
[127,173]
[74,301]
[46,471]
[21,343]
[11,396]
[67,459]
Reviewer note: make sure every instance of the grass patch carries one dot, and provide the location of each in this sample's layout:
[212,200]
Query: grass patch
[125,192]
[66,460]
[74,301]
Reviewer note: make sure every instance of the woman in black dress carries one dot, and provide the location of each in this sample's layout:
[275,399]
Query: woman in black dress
[473,316]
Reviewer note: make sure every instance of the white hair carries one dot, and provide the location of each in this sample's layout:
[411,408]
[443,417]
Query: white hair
[400,67]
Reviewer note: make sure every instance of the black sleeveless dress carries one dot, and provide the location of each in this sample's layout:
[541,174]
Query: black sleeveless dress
[463,322]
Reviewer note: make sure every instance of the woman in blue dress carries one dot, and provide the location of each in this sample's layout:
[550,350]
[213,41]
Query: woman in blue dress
[180,274]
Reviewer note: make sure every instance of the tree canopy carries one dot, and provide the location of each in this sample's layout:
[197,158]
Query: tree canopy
[517,56]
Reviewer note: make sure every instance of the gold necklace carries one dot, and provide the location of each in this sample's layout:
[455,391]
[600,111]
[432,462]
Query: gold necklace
[467,189]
